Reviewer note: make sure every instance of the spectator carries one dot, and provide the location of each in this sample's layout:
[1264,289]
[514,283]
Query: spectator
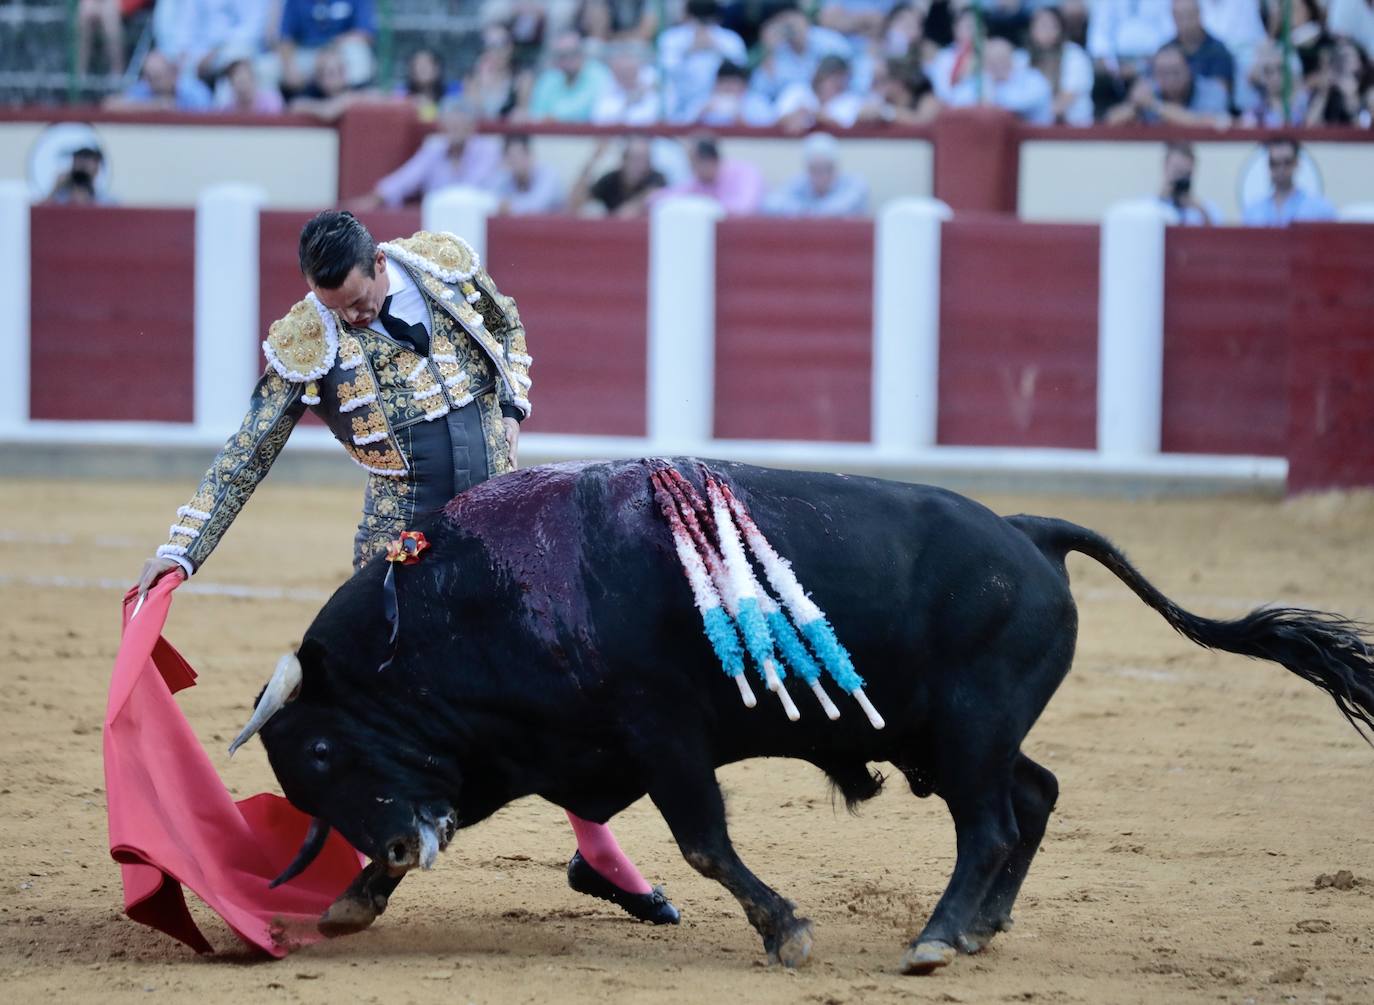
[903,35]
[1207,58]
[1285,202]
[632,98]
[602,22]
[1341,87]
[241,92]
[1177,195]
[792,50]
[453,157]
[1262,100]
[1010,82]
[208,35]
[77,185]
[736,185]
[1009,19]
[569,89]
[308,27]
[425,85]
[524,186]
[328,94]
[731,102]
[690,54]
[820,190]
[625,191]
[955,61]
[1124,35]
[1236,24]
[1306,32]
[1354,19]
[1065,65]
[159,86]
[1075,14]
[525,22]
[905,96]
[103,16]
[1173,96]
[855,17]
[494,87]
[746,18]
[828,101]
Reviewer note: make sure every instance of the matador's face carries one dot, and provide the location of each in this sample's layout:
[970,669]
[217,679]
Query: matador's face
[358,300]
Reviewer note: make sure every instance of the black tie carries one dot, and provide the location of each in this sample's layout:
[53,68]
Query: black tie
[414,335]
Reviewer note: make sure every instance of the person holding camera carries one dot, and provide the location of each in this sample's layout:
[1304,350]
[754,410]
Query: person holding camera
[1177,194]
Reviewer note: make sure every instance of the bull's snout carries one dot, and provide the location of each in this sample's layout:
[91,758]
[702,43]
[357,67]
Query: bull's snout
[420,848]
[402,854]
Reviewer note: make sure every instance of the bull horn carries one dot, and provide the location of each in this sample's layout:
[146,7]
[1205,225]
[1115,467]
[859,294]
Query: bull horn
[311,847]
[277,693]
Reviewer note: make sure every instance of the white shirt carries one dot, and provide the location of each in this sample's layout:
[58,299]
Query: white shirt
[407,302]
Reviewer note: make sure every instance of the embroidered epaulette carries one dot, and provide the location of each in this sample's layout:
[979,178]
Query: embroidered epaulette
[444,256]
[303,345]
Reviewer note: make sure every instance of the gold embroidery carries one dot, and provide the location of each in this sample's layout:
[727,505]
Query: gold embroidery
[298,345]
[444,250]
[373,421]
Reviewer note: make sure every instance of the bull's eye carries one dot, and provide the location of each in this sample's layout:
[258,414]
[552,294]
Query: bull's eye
[319,750]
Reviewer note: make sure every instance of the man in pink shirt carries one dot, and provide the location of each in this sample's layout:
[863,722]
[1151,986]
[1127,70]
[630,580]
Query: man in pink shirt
[452,157]
[737,185]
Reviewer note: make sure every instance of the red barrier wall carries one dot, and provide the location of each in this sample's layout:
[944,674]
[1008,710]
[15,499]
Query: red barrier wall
[1018,334]
[1331,382]
[111,314]
[1225,340]
[582,289]
[794,329]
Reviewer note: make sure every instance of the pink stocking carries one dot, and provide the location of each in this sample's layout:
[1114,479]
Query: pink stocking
[598,846]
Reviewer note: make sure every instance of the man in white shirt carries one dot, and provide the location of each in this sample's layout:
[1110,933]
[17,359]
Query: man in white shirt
[690,54]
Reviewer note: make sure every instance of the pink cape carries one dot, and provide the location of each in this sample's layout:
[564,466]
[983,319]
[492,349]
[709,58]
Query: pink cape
[173,822]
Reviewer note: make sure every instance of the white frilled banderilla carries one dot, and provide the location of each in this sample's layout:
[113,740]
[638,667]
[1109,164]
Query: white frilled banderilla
[710,536]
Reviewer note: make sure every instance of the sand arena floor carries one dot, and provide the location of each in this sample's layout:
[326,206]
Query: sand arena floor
[1202,796]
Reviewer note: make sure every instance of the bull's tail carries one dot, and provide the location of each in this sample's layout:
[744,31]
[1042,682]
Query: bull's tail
[1330,651]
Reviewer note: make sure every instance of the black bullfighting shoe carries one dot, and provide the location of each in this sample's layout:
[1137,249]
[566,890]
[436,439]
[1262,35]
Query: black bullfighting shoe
[653,906]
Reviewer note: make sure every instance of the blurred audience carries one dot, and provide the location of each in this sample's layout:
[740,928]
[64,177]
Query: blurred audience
[496,87]
[737,185]
[242,92]
[1207,58]
[623,191]
[426,85]
[1171,94]
[1342,87]
[731,102]
[1177,195]
[826,101]
[328,94]
[1065,65]
[105,18]
[1285,202]
[79,184]
[690,53]
[205,36]
[160,87]
[308,27]
[792,51]
[570,88]
[904,97]
[1261,102]
[821,189]
[524,186]
[632,97]
[453,156]
[1008,81]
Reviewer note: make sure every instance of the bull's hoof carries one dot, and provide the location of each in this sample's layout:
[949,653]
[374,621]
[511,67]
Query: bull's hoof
[976,939]
[794,949]
[347,916]
[653,907]
[927,957]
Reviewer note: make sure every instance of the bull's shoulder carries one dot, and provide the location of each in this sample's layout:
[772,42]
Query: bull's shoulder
[446,257]
[303,344]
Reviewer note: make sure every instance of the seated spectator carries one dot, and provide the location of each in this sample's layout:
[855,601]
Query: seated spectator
[77,186]
[828,101]
[1123,36]
[1075,15]
[905,96]
[955,61]
[105,17]
[632,97]
[1172,96]
[1177,195]
[1065,65]
[1306,30]
[425,85]
[525,22]
[1207,58]
[690,54]
[622,192]
[308,27]
[328,94]
[736,185]
[454,156]
[855,17]
[160,86]
[820,190]
[569,89]
[1010,82]
[792,50]
[731,102]
[1285,203]
[240,91]
[494,87]
[1261,101]
[1353,19]
[524,186]
[210,34]
[1341,86]
[904,35]
[603,22]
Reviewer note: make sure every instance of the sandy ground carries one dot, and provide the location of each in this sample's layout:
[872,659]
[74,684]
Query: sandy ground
[1202,796]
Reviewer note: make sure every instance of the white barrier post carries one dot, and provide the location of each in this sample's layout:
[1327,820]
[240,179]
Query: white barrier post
[1130,330]
[460,210]
[682,321]
[1360,212]
[226,317]
[14,304]
[906,324]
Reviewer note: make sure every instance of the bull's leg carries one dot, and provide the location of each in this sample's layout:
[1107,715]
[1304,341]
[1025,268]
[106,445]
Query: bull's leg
[362,903]
[1033,795]
[695,813]
[986,835]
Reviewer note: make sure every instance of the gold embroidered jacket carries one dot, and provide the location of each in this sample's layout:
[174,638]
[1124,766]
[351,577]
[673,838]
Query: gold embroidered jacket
[368,388]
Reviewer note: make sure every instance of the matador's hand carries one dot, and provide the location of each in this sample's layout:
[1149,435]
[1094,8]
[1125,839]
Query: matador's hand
[153,570]
[512,438]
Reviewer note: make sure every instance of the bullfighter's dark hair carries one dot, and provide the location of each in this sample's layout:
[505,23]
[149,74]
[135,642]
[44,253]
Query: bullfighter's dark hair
[332,243]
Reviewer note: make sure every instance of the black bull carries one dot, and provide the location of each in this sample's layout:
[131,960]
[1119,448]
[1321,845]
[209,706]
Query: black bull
[549,646]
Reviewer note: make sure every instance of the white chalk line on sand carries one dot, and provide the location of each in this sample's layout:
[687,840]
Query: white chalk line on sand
[238,590]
